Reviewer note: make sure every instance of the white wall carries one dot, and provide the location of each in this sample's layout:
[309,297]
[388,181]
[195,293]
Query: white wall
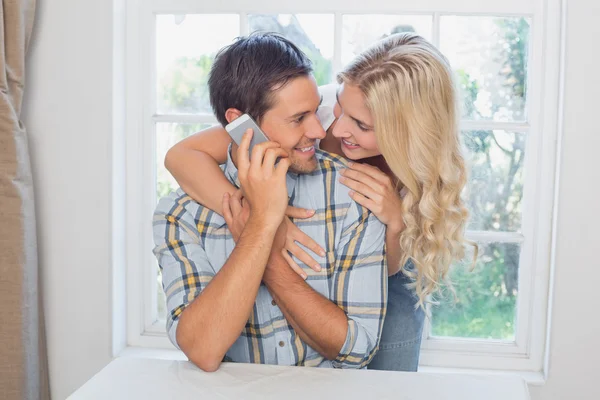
[69,114]
[574,346]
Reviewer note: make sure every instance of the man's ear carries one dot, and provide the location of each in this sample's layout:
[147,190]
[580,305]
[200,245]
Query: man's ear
[232,114]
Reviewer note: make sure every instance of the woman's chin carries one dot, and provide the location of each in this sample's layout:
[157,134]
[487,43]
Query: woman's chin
[359,153]
[351,154]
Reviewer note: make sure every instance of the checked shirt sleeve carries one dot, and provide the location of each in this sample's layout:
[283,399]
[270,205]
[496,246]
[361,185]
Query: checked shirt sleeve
[359,286]
[182,259]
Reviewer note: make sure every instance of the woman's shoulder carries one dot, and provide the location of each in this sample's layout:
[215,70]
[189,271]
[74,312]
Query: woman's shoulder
[325,111]
[328,92]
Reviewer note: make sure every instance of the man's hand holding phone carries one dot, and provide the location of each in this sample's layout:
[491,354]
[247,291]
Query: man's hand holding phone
[263,183]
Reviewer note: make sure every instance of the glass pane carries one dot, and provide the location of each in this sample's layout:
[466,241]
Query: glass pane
[185,48]
[312,33]
[495,190]
[490,57]
[360,31]
[486,297]
[167,134]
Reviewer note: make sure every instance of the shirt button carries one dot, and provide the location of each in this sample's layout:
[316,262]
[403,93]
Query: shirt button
[281,344]
[273,303]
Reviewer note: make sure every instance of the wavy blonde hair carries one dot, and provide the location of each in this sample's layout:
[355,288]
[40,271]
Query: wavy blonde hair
[409,89]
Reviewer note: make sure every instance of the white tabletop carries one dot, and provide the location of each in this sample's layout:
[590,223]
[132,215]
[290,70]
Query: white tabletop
[134,378]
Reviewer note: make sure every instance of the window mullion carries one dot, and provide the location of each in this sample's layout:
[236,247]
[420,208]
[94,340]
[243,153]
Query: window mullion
[516,127]
[337,41]
[495,237]
[435,35]
[244,29]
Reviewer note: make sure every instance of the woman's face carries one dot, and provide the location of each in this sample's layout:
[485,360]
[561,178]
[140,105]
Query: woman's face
[354,125]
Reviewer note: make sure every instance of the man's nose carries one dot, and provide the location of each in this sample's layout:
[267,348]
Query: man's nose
[316,130]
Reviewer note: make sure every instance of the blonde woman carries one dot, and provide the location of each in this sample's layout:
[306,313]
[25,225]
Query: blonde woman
[394,116]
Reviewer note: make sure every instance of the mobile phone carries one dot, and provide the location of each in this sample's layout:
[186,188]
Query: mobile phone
[239,126]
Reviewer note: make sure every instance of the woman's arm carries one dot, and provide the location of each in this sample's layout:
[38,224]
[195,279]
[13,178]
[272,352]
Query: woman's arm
[393,251]
[194,163]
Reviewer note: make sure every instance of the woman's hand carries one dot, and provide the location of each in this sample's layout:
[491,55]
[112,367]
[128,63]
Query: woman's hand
[375,190]
[293,236]
[236,212]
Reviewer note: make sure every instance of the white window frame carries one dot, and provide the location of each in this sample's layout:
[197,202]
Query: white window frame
[526,353]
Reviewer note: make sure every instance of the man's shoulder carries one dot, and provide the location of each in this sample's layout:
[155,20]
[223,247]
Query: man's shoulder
[330,166]
[182,207]
[326,176]
[175,202]
[329,161]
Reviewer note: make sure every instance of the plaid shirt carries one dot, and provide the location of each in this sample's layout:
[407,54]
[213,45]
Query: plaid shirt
[193,243]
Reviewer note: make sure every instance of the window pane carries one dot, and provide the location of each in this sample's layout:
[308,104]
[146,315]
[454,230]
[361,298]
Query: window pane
[360,31]
[185,48]
[486,297]
[490,57]
[495,190]
[312,33]
[167,134]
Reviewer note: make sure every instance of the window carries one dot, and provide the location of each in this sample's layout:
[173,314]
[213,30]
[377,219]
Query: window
[506,60]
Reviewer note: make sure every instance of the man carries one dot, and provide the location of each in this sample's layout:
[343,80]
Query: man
[230,293]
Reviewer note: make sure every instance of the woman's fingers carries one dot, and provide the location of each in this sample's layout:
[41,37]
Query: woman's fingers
[361,188]
[235,202]
[363,178]
[371,171]
[303,256]
[365,202]
[300,213]
[298,236]
[293,264]
[294,234]
[227,209]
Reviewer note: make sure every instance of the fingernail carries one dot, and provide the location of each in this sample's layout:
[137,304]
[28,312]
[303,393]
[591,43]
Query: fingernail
[304,276]
[351,193]
[322,253]
[341,179]
[342,171]
[310,212]
[350,163]
[318,268]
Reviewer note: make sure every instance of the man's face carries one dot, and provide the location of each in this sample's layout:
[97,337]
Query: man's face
[293,123]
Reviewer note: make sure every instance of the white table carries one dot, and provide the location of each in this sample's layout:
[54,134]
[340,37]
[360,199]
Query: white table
[149,379]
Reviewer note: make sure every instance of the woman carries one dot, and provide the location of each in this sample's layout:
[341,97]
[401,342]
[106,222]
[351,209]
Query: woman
[395,116]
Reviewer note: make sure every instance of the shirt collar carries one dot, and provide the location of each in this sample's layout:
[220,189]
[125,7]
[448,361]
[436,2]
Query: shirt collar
[231,173]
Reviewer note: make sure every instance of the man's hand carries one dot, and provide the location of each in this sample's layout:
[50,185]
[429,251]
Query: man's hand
[263,183]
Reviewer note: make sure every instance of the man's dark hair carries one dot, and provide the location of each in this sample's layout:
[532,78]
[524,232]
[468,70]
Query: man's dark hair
[247,73]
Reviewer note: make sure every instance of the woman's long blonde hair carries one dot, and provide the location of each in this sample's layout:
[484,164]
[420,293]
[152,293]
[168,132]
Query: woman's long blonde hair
[409,89]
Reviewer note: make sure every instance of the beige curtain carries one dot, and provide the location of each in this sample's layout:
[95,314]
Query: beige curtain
[23,364]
